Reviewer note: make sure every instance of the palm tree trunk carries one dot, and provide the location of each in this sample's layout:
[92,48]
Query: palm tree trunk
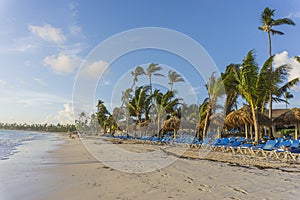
[246,131]
[270,97]
[206,121]
[255,123]
[296,132]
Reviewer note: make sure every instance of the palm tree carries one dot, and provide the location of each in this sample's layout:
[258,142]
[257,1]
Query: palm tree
[139,104]
[247,79]
[215,89]
[174,78]
[268,23]
[151,70]
[102,115]
[137,72]
[287,95]
[230,85]
[297,58]
[164,104]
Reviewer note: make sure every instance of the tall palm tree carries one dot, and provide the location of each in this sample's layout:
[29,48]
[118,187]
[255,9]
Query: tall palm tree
[164,104]
[151,70]
[215,89]
[137,72]
[267,24]
[287,95]
[174,77]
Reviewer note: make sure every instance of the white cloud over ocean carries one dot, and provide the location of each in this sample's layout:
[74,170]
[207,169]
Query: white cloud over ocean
[48,33]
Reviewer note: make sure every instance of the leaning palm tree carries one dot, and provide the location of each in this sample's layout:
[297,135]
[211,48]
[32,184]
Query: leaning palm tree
[215,89]
[174,77]
[267,26]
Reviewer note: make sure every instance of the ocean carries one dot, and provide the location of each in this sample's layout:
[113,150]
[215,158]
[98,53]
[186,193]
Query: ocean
[23,155]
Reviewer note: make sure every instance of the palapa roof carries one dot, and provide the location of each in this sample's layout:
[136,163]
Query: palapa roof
[290,117]
[171,124]
[244,116]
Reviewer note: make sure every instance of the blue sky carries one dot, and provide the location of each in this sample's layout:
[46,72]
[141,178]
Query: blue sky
[43,44]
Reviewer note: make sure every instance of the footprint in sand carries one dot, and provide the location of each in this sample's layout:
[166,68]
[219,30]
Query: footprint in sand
[237,189]
[204,188]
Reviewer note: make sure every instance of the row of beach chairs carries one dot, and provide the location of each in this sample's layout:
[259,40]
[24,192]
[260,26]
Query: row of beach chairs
[280,148]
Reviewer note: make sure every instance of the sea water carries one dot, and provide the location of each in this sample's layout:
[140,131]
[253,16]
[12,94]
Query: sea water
[22,158]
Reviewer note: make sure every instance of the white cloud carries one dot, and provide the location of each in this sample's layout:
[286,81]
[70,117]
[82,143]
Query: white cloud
[62,63]
[283,58]
[48,33]
[3,83]
[40,81]
[95,69]
[64,116]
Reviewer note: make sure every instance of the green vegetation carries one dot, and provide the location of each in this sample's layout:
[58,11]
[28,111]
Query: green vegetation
[39,127]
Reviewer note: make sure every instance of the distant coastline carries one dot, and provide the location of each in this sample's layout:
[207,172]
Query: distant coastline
[39,127]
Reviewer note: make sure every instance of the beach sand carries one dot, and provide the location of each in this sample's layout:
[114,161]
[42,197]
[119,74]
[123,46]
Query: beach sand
[78,175]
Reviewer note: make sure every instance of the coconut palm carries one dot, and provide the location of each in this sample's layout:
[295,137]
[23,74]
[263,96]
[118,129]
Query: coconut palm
[139,103]
[174,77]
[137,72]
[164,104]
[275,83]
[215,89]
[230,85]
[247,79]
[268,23]
[102,115]
[151,70]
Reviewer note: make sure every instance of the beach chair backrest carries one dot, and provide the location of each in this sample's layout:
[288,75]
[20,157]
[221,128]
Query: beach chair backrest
[224,141]
[270,144]
[232,140]
[295,144]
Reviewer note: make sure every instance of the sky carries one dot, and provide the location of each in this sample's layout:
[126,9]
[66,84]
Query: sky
[43,45]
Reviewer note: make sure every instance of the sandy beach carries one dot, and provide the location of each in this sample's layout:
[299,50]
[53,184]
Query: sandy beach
[78,175]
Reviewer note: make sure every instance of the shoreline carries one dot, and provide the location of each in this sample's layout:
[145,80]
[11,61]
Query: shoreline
[78,175]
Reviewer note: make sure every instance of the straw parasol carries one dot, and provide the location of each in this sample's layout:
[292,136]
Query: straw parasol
[291,117]
[171,124]
[243,117]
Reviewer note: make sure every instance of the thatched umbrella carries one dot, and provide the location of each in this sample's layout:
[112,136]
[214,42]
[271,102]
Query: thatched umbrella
[171,124]
[291,117]
[243,117]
